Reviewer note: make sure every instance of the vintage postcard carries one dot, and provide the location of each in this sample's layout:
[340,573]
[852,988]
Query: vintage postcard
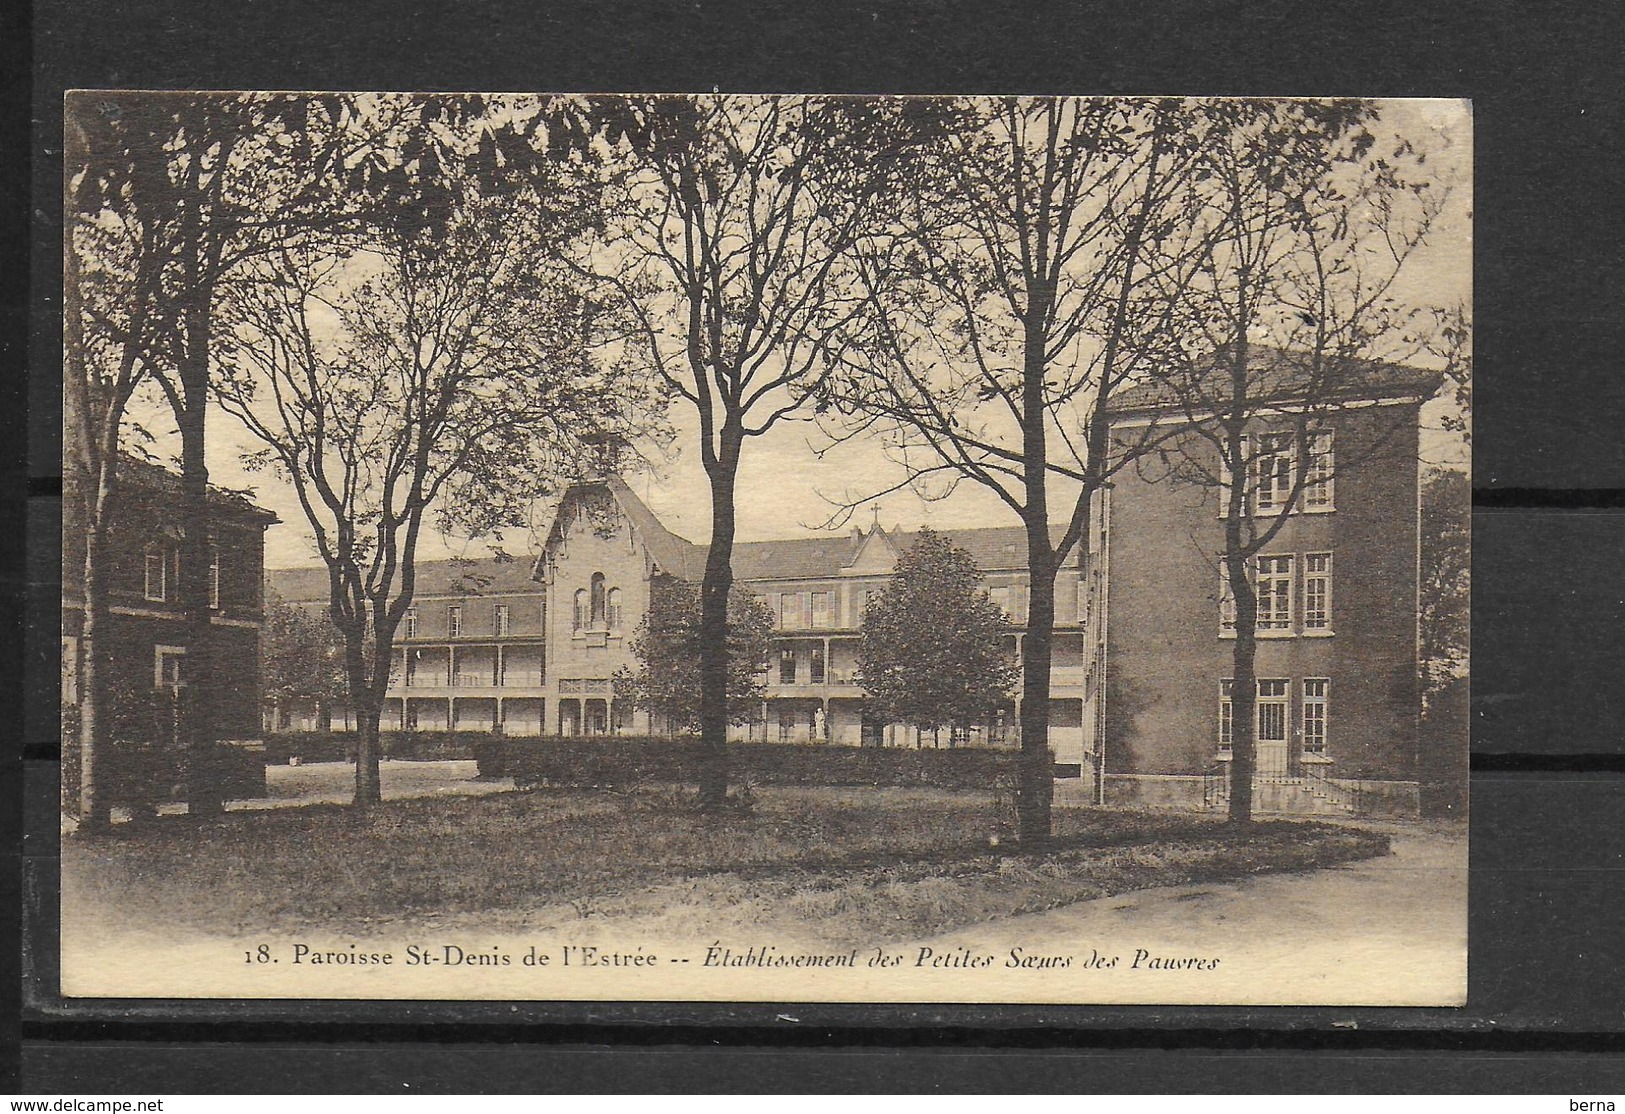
[745,548]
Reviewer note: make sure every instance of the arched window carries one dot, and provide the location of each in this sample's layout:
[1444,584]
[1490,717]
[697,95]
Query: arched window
[581,609]
[598,599]
[613,609]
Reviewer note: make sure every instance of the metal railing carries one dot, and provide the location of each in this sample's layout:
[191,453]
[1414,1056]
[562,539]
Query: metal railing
[1347,796]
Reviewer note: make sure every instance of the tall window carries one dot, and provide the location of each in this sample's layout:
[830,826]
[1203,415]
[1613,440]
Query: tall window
[1269,716]
[1274,583]
[214,576]
[156,586]
[167,667]
[1317,485]
[454,622]
[598,599]
[790,604]
[411,622]
[579,617]
[1227,603]
[1272,706]
[499,620]
[1001,597]
[823,609]
[787,667]
[815,671]
[1314,714]
[1317,592]
[1272,472]
[612,609]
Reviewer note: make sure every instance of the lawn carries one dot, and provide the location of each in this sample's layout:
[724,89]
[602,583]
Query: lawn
[830,863]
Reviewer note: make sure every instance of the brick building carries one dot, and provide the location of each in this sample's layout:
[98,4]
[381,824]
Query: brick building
[145,629]
[1337,668]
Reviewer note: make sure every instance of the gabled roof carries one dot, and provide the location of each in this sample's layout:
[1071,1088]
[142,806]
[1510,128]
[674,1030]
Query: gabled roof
[1276,376]
[673,555]
[144,475]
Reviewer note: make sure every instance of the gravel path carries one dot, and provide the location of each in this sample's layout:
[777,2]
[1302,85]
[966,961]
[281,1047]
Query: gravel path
[1388,931]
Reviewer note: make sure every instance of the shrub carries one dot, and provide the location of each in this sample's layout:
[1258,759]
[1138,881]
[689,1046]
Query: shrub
[621,761]
[405,746]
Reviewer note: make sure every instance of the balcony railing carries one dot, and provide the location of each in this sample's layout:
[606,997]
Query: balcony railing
[426,682]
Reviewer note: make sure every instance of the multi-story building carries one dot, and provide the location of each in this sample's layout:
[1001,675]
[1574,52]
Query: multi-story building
[468,654]
[1336,664]
[486,645]
[1144,629]
[145,631]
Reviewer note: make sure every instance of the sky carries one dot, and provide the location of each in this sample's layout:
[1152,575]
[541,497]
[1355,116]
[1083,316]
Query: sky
[786,490]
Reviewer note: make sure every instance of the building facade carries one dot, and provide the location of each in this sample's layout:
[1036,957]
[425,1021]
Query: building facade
[1338,695]
[533,649]
[1144,630]
[145,629]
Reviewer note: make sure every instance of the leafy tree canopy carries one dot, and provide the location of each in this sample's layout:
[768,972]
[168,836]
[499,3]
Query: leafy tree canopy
[667,645]
[300,655]
[933,649]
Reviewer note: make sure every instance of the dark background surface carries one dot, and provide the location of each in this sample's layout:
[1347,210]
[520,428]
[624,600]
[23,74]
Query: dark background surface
[1546,1012]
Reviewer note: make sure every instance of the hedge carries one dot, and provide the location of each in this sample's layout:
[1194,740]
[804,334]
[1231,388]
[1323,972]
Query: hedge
[137,775]
[627,760]
[339,746]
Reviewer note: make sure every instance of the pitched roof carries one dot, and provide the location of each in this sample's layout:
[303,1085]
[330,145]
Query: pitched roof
[145,475]
[673,554]
[487,576]
[993,548]
[1276,376]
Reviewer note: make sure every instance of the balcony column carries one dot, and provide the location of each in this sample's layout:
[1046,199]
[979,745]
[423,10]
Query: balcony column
[451,666]
[497,676]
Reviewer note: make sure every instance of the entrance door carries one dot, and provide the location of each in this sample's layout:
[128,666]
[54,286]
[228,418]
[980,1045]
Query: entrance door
[1272,727]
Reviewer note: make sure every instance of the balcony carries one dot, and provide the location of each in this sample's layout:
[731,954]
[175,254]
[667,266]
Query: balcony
[833,685]
[514,683]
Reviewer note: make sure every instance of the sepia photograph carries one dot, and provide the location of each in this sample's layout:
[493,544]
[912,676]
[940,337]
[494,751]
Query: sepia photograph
[742,548]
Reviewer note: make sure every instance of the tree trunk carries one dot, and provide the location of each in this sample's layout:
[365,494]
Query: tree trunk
[1037,764]
[89,480]
[199,729]
[1243,693]
[95,719]
[368,783]
[714,637]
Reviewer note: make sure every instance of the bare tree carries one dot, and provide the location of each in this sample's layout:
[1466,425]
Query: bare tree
[1002,306]
[741,215]
[442,372]
[1283,319]
[211,180]
[112,266]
